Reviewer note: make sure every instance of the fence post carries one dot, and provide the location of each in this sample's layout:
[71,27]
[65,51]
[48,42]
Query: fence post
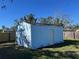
[9,36]
[74,34]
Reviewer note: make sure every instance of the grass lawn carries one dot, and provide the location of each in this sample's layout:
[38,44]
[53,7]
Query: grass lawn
[67,50]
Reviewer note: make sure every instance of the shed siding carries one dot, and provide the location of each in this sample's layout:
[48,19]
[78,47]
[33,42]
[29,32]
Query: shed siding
[46,35]
[58,35]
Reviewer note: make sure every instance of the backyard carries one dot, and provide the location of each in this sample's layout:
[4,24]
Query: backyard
[38,23]
[67,50]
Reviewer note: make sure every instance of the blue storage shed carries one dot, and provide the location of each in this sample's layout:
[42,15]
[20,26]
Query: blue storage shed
[36,35]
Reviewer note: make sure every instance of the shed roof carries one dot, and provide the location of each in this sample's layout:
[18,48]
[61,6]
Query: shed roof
[41,24]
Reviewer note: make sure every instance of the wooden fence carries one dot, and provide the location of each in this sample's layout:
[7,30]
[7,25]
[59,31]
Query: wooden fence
[11,36]
[7,36]
[71,35]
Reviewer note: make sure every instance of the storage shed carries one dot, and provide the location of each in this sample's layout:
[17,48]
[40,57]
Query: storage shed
[37,35]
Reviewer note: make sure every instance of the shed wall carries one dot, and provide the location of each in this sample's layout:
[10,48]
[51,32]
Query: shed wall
[36,36]
[46,35]
[23,34]
[58,35]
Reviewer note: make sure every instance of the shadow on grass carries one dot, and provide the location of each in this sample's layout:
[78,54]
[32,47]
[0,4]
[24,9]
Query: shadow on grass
[15,52]
[65,43]
[22,53]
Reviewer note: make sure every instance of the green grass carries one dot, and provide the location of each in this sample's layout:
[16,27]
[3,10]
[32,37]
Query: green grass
[67,50]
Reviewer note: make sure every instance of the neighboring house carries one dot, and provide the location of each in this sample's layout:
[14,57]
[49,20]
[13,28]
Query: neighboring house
[37,35]
[4,30]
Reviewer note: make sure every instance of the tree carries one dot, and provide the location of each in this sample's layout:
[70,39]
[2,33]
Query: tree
[63,20]
[66,20]
[43,21]
[30,18]
[50,20]
[76,26]
[25,19]
[21,20]
[57,21]
[16,23]
[3,3]
[13,28]
[3,28]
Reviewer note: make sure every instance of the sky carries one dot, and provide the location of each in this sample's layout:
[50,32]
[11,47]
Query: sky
[40,8]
